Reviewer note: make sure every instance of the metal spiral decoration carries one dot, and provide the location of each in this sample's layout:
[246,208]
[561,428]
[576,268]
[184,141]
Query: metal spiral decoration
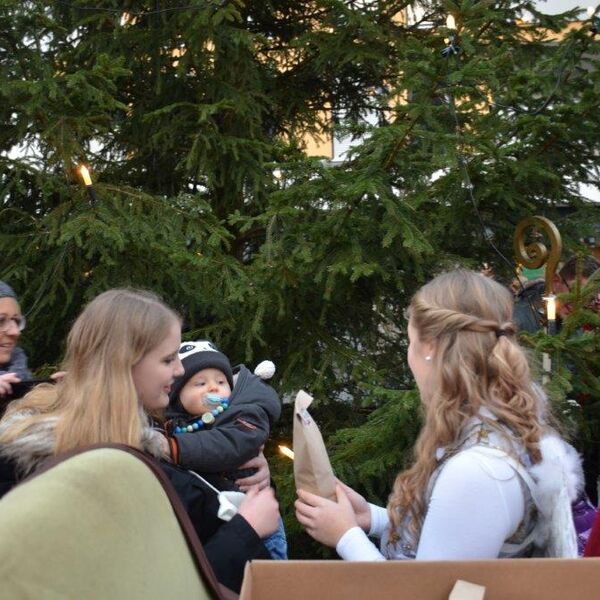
[535,255]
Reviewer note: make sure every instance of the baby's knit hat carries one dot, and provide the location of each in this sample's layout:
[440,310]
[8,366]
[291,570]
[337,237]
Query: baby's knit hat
[196,356]
[6,291]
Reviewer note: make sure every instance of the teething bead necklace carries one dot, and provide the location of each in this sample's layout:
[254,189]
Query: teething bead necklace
[205,419]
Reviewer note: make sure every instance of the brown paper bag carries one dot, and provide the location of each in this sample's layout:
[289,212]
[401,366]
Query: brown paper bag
[312,469]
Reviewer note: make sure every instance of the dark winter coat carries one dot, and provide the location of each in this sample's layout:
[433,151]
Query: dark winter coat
[528,312]
[228,545]
[17,364]
[237,433]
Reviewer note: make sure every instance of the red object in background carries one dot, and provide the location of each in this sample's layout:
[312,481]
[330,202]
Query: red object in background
[593,545]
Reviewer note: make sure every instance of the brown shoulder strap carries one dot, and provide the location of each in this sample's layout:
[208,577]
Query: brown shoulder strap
[218,591]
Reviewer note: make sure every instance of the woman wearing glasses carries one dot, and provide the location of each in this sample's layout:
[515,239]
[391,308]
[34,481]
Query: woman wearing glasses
[13,361]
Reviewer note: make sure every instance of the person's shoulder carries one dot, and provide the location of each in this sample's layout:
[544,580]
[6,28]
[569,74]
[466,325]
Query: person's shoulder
[477,461]
[532,288]
[249,387]
[18,352]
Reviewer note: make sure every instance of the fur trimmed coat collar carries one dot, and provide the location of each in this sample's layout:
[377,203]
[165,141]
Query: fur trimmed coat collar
[36,445]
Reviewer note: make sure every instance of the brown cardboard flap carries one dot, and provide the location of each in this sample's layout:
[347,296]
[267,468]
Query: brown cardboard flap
[463,590]
[510,579]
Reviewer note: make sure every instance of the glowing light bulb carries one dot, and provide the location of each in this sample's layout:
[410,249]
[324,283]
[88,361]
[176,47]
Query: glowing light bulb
[85,174]
[286,452]
[590,11]
[450,22]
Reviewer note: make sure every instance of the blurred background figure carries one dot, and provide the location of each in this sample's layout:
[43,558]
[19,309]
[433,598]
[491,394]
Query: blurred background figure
[13,360]
[529,303]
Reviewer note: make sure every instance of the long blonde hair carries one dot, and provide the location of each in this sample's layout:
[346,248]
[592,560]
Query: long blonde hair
[477,363]
[97,400]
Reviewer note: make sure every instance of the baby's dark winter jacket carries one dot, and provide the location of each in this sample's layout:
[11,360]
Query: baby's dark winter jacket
[237,433]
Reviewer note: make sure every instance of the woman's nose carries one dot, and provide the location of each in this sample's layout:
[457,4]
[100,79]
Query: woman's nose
[12,328]
[179,370]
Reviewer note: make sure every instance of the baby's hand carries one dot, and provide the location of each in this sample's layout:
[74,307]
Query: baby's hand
[262,477]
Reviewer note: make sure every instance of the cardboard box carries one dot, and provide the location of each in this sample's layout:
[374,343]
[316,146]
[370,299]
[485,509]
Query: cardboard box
[510,579]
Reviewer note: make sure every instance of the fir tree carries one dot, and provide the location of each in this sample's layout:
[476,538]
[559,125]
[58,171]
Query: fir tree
[192,119]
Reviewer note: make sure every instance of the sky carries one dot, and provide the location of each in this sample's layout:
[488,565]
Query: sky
[553,7]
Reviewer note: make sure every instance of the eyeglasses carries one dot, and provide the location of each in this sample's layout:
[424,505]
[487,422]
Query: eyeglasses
[18,321]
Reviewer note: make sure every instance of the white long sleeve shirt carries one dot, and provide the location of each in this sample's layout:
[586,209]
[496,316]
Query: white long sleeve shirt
[476,504]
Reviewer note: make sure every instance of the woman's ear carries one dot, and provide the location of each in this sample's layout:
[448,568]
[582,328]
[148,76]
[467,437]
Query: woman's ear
[429,350]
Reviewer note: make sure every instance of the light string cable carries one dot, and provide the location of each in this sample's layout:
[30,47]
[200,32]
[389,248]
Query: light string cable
[559,74]
[468,184]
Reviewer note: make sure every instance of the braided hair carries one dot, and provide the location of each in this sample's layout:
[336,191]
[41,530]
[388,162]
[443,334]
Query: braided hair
[477,363]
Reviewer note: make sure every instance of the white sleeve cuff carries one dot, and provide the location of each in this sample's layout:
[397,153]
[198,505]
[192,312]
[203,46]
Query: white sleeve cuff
[355,545]
[379,520]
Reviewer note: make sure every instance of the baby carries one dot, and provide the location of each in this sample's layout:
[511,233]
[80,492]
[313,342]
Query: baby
[218,421]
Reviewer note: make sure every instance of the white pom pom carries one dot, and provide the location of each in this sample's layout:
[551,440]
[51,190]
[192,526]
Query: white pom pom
[265,369]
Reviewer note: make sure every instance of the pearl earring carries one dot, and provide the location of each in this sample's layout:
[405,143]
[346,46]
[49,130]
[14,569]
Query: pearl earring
[428,358]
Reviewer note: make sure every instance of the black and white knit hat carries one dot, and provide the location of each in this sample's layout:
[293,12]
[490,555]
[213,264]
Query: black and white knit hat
[196,356]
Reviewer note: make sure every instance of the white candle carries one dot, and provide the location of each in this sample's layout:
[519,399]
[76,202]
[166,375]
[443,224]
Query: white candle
[450,22]
[550,307]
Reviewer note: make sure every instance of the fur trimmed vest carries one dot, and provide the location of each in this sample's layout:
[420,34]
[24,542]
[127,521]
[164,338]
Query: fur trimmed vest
[30,450]
[549,487]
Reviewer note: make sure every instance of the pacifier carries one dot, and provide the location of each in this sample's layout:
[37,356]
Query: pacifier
[215,399]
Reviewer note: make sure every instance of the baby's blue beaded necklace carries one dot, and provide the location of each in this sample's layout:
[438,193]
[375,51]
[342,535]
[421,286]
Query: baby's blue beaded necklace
[207,418]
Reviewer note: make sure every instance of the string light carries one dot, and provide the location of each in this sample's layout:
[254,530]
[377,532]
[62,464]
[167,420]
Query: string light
[591,12]
[452,47]
[118,11]
[85,175]
[286,452]
[87,180]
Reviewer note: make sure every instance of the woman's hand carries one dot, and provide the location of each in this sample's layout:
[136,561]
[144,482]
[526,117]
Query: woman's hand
[360,507]
[262,478]
[324,520]
[5,383]
[261,510]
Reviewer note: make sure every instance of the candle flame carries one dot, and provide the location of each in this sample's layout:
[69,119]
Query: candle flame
[85,175]
[450,22]
[286,452]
